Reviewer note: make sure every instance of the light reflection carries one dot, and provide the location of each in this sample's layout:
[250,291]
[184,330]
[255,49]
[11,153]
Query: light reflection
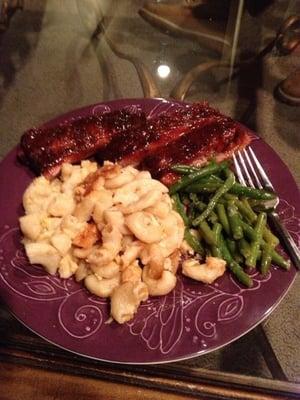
[163,71]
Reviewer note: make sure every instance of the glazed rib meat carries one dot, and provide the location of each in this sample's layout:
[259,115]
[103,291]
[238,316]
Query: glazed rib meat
[190,134]
[217,139]
[131,147]
[46,149]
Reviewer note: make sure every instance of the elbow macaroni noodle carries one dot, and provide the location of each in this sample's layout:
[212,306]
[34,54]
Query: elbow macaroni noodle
[114,229]
[111,227]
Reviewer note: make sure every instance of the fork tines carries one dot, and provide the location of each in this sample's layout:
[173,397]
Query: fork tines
[247,161]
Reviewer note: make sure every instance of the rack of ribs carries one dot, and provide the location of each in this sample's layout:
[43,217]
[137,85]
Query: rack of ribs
[46,149]
[191,134]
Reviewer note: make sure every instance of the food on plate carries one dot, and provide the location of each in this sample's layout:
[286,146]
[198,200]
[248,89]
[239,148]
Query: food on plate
[191,134]
[207,272]
[46,149]
[221,221]
[155,204]
[219,139]
[118,230]
[112,227]
[131,147]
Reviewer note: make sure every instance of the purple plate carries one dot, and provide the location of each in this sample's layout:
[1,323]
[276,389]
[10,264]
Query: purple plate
[192,320]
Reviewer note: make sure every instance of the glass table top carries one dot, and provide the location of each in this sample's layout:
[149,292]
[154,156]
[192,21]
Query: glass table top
[55,58]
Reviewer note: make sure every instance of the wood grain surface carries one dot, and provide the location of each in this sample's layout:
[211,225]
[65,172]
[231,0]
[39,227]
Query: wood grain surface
[32,368]
[21,382]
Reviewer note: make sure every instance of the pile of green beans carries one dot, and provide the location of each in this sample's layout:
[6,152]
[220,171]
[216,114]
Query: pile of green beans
[220,219]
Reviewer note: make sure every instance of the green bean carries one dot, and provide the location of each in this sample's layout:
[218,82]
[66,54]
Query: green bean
[208,184]
[230,197]
[240,274]
[193,242]
[245,210]
[226,172]
[234,267]
[254,193]
[266,258]
[202,187]
[212,218]
[197,202]
[269,237]
[213,201]
[195,176]
[255,203]
[215,249]
[238,189]
[217,228]
[222,216]
[255,244]
[276,257]
[234,221]
[212,179]
[201,206]
[244,247]
[209,198]
[233,248]
[231,245]
[185,169]
[248,230]
[179,207]
[224,249]
[207,233]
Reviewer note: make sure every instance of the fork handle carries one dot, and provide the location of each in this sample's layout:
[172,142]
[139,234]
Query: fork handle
[287,239]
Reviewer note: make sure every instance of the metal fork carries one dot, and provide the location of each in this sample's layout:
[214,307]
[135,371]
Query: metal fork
[251,173]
